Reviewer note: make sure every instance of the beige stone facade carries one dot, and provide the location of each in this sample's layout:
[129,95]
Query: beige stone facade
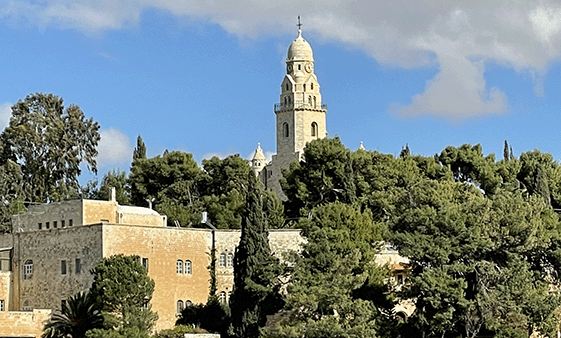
[300,114]
[41,267]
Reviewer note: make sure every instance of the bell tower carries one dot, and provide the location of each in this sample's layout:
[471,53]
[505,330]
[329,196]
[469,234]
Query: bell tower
[300,113]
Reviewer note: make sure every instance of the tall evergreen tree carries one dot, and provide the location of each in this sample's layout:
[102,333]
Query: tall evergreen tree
[506,154]
[255,294]
[140,150]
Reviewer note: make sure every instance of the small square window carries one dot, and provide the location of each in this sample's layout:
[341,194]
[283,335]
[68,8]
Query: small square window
[78,267]
[63,267]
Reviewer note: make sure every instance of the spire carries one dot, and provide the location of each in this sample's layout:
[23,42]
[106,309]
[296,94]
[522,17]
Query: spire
[361,147]
[259,155]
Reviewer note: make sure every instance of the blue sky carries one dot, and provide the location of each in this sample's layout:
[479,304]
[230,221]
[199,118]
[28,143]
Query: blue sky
[203,77]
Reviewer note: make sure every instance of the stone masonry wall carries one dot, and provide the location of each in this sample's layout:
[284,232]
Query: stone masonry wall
[163,247]
[48,213]
[23,324]
[5,288]
[47,286]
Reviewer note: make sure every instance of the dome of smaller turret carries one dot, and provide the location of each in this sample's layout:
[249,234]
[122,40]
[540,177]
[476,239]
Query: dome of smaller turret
[259,155]
[300,49]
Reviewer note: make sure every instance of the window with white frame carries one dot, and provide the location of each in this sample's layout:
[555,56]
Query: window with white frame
[179,266]
[179,306]
[27,269]
[222,297]
[222,259]
[188,267]
[230,261]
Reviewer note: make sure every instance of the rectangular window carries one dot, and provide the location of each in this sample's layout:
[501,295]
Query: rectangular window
[70,223]
[46,225]
[2,305]
[54,224]
[78,267]
[62,223]
[145,263]
[63,267]
[40,225]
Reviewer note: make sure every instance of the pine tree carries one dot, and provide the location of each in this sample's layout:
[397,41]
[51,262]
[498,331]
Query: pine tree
[506,154]
[140,150]
[255,294]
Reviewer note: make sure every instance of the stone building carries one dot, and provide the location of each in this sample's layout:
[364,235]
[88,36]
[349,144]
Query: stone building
[300,115]
[53,247]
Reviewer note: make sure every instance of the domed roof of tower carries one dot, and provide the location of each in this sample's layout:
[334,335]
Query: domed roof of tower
[300,49]
[259,155]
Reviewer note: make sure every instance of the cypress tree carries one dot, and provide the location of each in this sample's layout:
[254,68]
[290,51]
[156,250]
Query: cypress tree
[505,152]
[255,294]
[140,150]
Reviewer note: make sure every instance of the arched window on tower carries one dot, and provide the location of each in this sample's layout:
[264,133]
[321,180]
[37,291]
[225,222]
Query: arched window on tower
[222,259]
[314,129]
[315,102]
[312,86]
[179,306]
[222,297]
[285,129]
[310,100]
[287,87]
[230,261]
[285,100]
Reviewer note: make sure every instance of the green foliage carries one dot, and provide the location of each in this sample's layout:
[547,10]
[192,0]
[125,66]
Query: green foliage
[256,286]
[182,191]
[113,179]
[172,180]
[78,314]
[140,149]
[212,316]
[322,177]
[50,142]
[122,287]
[336,289]
[12,194]
[123,332]
[471,257]
[179,331]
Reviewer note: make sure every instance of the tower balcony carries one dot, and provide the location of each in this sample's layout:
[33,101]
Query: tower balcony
[299,105]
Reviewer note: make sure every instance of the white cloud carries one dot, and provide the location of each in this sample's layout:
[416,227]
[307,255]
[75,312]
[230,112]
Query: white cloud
[113,148]
[522,34]
[5,114]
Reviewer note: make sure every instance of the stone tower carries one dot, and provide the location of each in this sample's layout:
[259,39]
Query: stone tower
[300,113]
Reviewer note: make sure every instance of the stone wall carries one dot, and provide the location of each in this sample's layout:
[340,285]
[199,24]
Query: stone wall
[163,247]
[51,216]
[99,211]
[23,324]
[47,286]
